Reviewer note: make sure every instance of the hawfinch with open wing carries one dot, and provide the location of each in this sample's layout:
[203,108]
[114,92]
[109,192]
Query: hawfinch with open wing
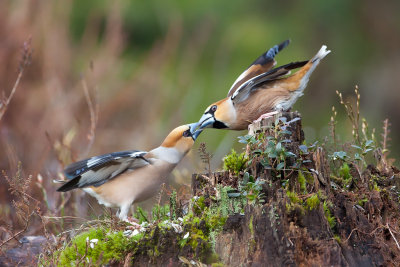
[261,91]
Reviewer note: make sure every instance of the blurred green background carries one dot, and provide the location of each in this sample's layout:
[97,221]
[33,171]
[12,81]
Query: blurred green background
[153,65]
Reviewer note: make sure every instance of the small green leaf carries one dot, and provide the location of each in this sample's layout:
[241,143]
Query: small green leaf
[278,147]
[286,132]
[257,151]
[357,156]
[246,176]
[265,163]
[280,166]
[289,154]
[339,155]
[367,150]
[232,195]
[369,142]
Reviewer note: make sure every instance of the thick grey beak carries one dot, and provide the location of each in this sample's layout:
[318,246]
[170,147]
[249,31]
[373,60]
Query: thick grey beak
[194,131]
[206,121]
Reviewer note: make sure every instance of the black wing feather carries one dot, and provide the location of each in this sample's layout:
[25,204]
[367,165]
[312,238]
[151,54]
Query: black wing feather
[78,168]
[270,54]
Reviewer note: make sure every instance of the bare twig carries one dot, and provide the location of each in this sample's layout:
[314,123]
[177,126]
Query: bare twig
[386,139]
[94,111]
[395,240]
[206,157]
[332,125]
[24,62]
[358,230]
[354,115]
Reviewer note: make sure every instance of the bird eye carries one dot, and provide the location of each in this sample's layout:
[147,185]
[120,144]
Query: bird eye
[213,108]
[187,133]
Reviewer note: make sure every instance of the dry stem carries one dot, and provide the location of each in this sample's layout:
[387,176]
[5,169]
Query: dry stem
[24,62]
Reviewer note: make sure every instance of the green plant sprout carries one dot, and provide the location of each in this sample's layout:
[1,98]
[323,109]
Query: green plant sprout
[235,162]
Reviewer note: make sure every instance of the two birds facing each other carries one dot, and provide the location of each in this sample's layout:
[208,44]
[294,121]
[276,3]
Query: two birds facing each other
[120,179]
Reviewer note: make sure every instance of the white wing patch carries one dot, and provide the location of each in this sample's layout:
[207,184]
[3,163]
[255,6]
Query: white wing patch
[241,76]
[138,154]
[246,85]
[93,161]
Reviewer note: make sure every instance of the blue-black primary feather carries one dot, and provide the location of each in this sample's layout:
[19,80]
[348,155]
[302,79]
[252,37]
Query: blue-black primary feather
[270,54]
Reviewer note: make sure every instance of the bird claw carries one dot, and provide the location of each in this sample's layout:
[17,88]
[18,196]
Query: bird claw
[134,223]
[265,116]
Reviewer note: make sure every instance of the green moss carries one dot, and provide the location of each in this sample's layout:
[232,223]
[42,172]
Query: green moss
[199,205]
[312,202]
[302,181]
[362,201]
[296,204]
[217,264]
[294,198]
[172,204]
[309,177]
[328,215]
[97,246]
[290,207]
[376,187]
[337,238]
[251,226]
[235,162]
[251,242]
[224,202]
[344,173]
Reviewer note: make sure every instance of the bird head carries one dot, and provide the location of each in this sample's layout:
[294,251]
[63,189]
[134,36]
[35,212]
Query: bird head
[219,115]
[182,138]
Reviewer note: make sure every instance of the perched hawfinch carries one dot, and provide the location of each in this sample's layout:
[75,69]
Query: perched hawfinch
[121,178]
[261,91]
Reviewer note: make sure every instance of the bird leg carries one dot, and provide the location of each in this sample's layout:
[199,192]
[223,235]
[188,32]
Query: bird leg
[123,216]
[266,115]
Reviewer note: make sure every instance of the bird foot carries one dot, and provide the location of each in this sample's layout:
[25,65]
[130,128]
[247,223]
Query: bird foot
[133,226]
[134,223]
[266,115]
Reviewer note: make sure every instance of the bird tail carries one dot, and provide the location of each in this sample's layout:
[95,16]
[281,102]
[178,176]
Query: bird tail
[303,75]
[320,55]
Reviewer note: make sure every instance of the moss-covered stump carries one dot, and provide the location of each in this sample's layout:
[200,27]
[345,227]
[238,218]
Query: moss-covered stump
[302,218]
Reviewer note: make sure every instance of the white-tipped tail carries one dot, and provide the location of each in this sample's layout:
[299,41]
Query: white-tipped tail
[321,54]
[285,105]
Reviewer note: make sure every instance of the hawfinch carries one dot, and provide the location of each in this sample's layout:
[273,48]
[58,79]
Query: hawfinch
[261,91]
[121,178]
